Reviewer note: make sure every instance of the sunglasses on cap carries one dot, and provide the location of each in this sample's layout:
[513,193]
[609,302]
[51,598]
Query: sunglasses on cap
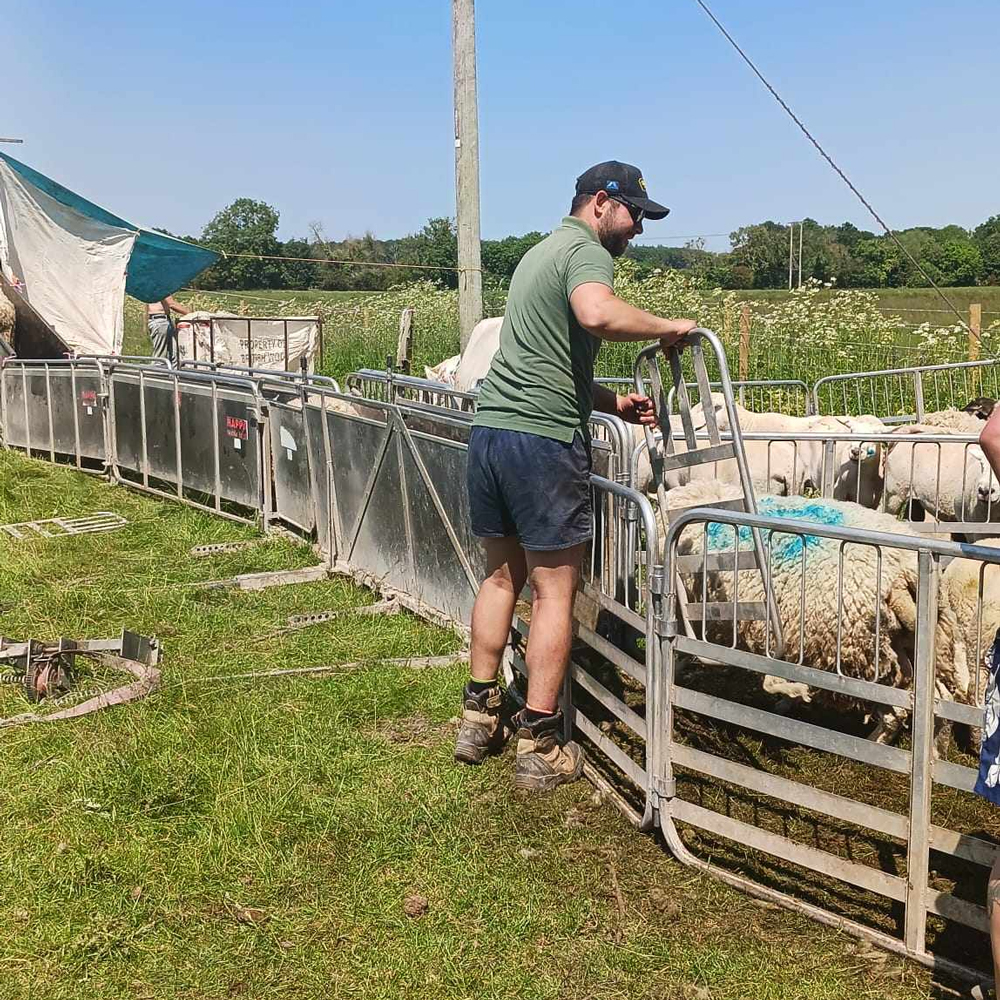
[638,214]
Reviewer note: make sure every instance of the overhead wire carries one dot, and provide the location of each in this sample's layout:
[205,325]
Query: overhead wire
[829,159]
[330,260]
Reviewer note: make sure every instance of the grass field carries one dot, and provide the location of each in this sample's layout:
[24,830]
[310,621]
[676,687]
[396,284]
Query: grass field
[914,305]
[260,838]
[802,335]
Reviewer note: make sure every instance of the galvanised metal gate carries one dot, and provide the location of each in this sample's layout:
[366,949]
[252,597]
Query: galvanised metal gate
[802,808]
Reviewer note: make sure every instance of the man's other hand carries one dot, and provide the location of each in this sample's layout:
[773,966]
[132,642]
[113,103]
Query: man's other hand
[636,409]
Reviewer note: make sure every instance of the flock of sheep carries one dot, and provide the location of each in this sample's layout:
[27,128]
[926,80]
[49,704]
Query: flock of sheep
[907,474]
[850,608]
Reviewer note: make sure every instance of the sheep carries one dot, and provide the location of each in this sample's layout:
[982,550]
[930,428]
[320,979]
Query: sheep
[966,625]
[484,341]
[466,371]
[959,421]
[951,481]
[783,467]
[863,600]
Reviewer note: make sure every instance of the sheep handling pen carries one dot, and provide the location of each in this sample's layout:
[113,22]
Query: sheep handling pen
[793,803]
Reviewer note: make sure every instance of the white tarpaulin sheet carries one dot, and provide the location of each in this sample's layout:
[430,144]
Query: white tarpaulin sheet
[251,341]
[72,266]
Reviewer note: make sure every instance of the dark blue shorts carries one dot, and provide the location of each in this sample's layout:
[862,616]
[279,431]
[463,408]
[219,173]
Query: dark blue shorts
[531,487]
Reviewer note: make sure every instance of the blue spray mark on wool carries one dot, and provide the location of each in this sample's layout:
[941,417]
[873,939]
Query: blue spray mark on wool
[784,547]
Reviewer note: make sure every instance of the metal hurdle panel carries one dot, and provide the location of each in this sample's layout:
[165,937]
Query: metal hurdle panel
[54,408]
[391,500]
[801,808]
[899,395]
[395,387]
[192,436]
[790,396]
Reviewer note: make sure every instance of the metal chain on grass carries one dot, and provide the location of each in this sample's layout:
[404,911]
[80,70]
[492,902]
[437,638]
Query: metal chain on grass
[829,159]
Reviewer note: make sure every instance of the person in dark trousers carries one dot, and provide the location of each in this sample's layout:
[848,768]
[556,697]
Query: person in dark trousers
[529,462]
[988,782]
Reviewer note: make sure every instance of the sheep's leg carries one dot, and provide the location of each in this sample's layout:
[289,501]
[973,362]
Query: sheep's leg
[942,737]
[889,724]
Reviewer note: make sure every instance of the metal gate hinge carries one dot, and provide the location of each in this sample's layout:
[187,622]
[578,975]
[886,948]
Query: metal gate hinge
[664,788]
[657,580]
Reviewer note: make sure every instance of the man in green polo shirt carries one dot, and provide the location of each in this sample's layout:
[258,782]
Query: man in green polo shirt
[529,462]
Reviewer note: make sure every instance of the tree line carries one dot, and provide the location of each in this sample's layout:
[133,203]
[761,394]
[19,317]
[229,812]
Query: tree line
[844,255]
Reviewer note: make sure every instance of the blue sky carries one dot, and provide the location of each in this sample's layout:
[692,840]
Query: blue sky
[341,112]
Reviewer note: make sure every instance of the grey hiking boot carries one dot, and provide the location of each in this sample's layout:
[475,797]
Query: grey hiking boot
[544,761]
[486,726]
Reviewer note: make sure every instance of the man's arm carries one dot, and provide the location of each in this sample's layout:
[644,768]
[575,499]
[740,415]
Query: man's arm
[632,408]
[605,400]
[602,313]
[171,303]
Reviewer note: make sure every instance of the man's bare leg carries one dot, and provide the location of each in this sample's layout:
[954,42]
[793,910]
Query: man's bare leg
[553,577]
[543,760]
[485,726]
[506,571]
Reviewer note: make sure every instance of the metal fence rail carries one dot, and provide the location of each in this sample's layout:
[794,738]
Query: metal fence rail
[898,395]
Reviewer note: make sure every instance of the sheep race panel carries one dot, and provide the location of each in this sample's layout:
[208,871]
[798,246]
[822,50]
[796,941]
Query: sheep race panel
[54,407]
[398,510]
[804,808]
[290,456]
[193,436]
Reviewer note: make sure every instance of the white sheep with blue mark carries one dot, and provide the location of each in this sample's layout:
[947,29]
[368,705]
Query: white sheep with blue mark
[877,597]
[868,590]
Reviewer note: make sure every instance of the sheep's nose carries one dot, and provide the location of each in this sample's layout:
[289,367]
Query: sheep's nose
[984,493]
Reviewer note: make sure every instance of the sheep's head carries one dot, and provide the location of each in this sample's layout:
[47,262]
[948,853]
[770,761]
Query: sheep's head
[865,451]
[981,406]
[987,487]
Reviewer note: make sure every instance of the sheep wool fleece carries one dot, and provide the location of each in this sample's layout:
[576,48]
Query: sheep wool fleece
[541,378]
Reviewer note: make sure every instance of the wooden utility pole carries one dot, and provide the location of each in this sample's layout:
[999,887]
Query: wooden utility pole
[470,277]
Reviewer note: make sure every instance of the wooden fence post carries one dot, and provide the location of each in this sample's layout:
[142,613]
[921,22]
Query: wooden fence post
[404,345]
[975,329]
[744,340]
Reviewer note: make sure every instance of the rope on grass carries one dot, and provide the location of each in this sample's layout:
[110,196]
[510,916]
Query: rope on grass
[412,662]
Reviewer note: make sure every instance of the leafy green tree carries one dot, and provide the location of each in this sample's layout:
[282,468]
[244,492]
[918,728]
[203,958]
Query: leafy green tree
[244,227]
[762,251]
[435,245]
[296,275]
[500,257]
[987,239]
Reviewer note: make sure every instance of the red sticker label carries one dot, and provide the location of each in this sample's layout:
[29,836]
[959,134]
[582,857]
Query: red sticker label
[88,397]
[238,427]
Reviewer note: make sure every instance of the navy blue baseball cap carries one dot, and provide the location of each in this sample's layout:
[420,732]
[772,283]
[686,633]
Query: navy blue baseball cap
[623,182]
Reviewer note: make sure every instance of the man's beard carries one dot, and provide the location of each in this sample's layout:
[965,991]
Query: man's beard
[616,243]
